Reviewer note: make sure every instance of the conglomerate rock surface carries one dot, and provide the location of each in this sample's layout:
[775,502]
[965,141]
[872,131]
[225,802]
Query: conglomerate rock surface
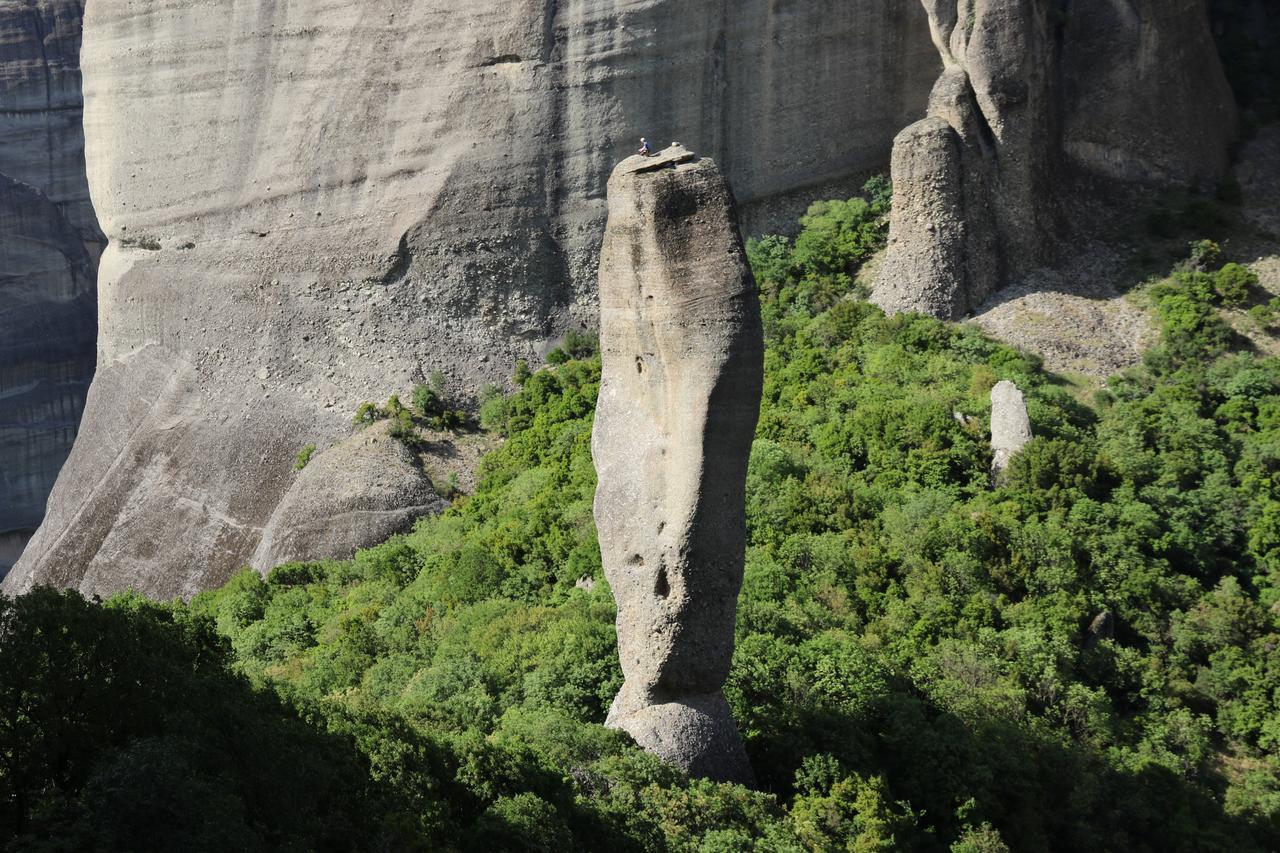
[682,352]
[312,203]
[1039,100]
[49,247]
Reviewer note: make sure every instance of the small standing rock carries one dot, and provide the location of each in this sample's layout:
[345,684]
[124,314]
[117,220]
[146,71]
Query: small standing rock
[1010,426]
[1103,627]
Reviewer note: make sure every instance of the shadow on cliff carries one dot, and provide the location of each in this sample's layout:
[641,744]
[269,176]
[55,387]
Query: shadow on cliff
[1118,237]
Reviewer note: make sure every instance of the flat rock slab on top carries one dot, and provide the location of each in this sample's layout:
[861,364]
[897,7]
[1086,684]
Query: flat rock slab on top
[672,156]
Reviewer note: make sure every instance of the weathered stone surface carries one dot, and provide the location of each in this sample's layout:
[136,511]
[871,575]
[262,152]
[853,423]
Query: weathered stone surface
[1010,425]
[929,219]
[348,497]
[682,352]
[1103,627]
[1174,117]
[694,732]
[348,195]
[49,246]
[1045,101]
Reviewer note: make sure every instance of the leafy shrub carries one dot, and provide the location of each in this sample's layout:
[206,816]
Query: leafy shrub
[427,400]
[150,244]
[1204,255]
[368,413]
[304,456]
[1233,283]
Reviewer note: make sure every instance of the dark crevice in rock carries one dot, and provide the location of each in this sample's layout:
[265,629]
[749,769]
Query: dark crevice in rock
[400,263]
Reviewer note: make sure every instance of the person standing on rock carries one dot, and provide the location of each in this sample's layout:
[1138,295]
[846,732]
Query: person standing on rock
[645,150]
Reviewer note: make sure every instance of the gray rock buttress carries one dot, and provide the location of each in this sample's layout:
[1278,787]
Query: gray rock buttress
[682,353]
[348,196]
[1038,105]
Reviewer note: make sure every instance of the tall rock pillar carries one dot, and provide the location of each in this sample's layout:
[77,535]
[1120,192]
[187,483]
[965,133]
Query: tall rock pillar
[679,398]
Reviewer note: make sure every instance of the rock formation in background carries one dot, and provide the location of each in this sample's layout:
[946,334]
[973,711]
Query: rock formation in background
[351,496]
[49,247]
[1039,103]
[682,352]
[1010,425]
[312,204]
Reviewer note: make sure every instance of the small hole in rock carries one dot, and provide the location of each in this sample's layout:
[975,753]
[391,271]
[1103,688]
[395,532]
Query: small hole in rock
[636,560]
[639,364]
[662,589]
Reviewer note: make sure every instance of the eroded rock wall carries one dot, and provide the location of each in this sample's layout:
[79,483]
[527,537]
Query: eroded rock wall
[1041,103]
[312,202]
[49,247]
[682,355]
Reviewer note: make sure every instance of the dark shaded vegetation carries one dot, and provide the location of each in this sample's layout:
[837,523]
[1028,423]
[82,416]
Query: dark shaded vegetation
[1082,658]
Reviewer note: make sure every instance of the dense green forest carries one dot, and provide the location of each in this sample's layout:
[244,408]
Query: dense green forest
[1084,656]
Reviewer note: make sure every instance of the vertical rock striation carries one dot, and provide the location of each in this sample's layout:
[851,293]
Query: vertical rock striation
[1010,425]
[682,352]
[49,247]
[1039,102]
[314,203]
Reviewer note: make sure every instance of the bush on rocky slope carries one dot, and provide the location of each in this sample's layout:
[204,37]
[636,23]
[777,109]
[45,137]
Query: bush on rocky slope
[1084,658]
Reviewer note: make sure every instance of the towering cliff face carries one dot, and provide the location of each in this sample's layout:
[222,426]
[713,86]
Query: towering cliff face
[49,246]
[1040,102]
[682,367]
[313,202]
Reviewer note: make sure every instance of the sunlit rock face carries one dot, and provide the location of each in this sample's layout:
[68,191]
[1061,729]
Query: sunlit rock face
[1043,110]
[49,247]
[682,367]
[311,203]
[1010,425]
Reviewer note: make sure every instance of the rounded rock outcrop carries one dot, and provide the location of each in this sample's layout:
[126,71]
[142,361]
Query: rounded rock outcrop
[351,496]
